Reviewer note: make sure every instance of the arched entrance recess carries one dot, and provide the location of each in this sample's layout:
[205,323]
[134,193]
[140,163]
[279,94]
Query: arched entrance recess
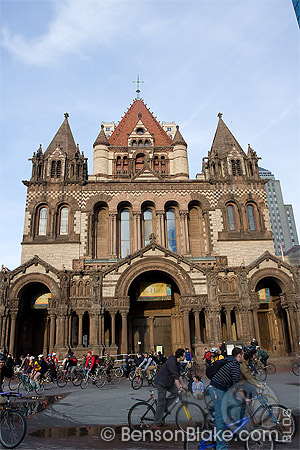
[154,287]
[32,295]
[274,317]
[33,328]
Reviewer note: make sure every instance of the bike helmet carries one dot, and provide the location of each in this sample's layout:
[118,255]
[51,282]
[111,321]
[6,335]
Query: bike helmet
[41,356]
[32,358]
[53,354]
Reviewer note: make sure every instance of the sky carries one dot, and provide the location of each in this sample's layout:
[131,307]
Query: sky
[196,58]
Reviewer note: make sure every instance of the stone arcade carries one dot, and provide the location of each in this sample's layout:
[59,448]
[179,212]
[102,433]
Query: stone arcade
[137,255]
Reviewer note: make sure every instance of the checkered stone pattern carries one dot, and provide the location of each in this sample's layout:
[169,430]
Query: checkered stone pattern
[27,223]
[84,234]
[213,196]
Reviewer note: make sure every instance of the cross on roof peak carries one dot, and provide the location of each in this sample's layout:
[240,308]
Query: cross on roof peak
[138,81]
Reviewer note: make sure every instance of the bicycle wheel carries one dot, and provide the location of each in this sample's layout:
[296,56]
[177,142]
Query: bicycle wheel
[271,369]
[141,416]
[131,375]
[13,383]
[119,372]
[137,382]
[61,380]
[39,387]
[84,382]
[12,428]
[48,382]
[280,421]
[296,369]
[77,377]
[258,439]
[190,416]
[260,375]
[100,381]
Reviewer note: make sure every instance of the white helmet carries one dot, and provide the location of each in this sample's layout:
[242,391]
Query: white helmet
[32,358]
[40,356]
[53,354]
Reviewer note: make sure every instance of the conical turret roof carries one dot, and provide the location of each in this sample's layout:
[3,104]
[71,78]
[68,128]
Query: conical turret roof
[178,139]
[63,139]
[224,140]
[101,139]
[138,111]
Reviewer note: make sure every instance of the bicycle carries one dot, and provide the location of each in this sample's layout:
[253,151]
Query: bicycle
[26,386]
[258,371]
[141,375]
[65,375]
[189,414]
[98,380]
[296,368]
[274,417]
[13,424]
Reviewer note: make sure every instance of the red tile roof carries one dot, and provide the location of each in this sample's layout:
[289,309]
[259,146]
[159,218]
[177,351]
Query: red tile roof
[139,111]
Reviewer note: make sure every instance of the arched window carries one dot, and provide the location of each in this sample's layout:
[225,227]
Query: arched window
[64,221]
[43,221]
[171,230]
[125,233]
[140,131]
[156,164]
[233,167]
[53,164]
[134,143]
[139,162]
[251,218]
[146,143]
[140,143]
[58,169]
[147,221]
[231,218]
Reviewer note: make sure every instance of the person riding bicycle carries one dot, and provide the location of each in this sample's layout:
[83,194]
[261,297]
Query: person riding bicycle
[170,380]
[216,354]
[263,355]
[148,364]
[108,364]
[70,362]
[5,371]
[51,366]
[90,363]
[40,367]
[226,377]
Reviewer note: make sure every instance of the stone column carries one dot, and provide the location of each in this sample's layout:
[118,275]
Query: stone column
[228,325]
[151,332]
[137,231]
[100,342]
[12,334]
[52,329]
[186,326]
[91,235]
[292,336]
[256,325]
[113,329]
[70,331]
[124,348]
[46,342]
[4,323]
[207,232]
[197,327]
[160,228]
[173,332]
[113,234]
[80,316]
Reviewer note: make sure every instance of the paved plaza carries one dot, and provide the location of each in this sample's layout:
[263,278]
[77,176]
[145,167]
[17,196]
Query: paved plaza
[83,419]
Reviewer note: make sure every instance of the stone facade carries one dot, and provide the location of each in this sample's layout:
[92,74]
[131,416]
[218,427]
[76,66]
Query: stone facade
[94,244]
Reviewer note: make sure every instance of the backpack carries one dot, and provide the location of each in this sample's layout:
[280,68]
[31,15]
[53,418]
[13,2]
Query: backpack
[214,367]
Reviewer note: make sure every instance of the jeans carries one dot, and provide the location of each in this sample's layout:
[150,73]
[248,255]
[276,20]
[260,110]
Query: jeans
[163,403]
[217,396]
[264,360]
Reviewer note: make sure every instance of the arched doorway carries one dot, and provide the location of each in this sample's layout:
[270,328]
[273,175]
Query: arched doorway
[33,322]
[272,317]
[154,297]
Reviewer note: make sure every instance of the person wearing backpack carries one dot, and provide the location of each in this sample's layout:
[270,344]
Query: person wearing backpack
[226,376]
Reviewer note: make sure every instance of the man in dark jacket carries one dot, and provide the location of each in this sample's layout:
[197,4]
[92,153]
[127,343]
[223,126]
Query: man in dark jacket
[168,380]
[4,370]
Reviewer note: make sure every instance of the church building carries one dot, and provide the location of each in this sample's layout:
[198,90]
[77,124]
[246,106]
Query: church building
[138,256]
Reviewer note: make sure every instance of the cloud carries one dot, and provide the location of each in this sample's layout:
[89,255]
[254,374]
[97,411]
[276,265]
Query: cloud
[76,24]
